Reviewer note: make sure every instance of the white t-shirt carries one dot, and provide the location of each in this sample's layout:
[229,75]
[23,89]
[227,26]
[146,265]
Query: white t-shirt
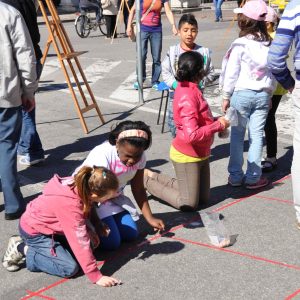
[105,155]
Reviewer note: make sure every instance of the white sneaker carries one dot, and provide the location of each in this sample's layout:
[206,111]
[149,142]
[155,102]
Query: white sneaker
[12,258]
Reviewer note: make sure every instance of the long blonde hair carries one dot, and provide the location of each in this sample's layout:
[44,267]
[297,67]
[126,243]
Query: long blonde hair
[96,180]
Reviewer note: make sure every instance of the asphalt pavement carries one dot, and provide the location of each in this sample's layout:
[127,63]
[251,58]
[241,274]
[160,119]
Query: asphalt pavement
[181,263]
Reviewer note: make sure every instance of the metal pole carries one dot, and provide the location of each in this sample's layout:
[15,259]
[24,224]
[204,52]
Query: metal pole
[139,50]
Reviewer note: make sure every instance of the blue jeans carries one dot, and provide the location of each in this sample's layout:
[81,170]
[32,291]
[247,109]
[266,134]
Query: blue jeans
[40,258]
[10,130]
[252,107]
[218,11]
[30,143]
[155,39]
[122,228]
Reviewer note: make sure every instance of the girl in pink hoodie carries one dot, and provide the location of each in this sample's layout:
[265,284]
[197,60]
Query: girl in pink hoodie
[54,230]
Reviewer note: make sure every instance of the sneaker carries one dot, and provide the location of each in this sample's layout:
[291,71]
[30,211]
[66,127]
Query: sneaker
[234,184]
[263,181]
[26,161]
[136,85]
[12,258]
[155,86]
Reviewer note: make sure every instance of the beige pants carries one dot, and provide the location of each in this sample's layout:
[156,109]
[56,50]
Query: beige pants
[191,187]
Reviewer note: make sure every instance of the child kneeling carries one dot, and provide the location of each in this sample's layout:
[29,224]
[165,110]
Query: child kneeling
[57,221]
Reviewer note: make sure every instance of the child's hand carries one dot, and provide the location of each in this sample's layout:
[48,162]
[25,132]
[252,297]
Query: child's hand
[157,224]
[225,105]
[174,30]
[224,122]
[107,281]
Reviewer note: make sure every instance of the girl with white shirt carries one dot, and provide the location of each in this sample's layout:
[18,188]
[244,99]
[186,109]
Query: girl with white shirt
[123,154]
[247,86]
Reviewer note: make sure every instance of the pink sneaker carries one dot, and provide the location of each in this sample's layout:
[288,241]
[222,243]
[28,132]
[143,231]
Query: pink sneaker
[263,181]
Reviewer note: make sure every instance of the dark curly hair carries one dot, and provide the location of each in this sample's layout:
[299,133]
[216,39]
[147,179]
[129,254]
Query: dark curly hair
[138,142]
[190,67]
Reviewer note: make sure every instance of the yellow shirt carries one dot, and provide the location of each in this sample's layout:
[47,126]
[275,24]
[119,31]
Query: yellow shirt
[179,157]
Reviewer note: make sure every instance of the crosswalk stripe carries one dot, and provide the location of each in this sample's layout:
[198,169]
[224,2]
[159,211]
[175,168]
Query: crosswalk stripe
[126,92]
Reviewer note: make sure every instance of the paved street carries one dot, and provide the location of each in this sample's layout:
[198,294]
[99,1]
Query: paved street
[264,261]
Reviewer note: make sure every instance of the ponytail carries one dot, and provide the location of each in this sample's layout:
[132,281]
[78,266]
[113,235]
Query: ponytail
[96,180]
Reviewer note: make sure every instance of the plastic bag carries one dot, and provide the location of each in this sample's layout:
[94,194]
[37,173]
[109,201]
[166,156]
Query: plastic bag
[215,229]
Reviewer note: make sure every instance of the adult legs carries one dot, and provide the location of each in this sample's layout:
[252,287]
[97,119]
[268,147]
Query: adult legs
[30,144]
[218,11]
[109,29]
[296,145]
[156,47]
[122,228]
[10,130]
[271,128]
[145,36]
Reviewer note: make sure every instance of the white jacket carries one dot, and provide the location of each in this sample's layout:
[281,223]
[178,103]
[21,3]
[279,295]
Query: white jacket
[17,59]
[244,67]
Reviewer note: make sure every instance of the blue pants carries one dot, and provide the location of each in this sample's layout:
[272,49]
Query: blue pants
[122,228]
[252,107]
[10,130]
[155,39]
[170,118]
[218,11]
[40,258]
[30,143]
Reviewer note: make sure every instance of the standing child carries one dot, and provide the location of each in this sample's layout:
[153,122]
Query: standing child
[123,154]
[190,149]
[62,210]
[269,163]
[188,31]
[247,86]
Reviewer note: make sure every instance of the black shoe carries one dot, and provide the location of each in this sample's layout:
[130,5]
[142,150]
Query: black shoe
[13,216]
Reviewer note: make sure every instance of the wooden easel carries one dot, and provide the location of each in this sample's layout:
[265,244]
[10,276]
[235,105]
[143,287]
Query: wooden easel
[67,56]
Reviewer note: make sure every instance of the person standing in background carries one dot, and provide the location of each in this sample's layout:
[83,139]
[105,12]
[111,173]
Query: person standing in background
[151,31]
[18,83]
[110,11]
[288,31]
[30,149]
[218,10]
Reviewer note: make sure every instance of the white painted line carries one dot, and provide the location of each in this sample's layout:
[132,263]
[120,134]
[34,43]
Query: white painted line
[97,71]
[50,67]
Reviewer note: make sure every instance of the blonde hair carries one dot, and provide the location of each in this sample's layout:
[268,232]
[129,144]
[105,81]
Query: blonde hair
[96,180]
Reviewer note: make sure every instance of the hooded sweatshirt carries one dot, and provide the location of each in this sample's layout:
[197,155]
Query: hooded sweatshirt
[59,210]
[244,67]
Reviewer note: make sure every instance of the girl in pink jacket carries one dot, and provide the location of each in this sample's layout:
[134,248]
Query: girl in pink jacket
[54,227]
[190,149]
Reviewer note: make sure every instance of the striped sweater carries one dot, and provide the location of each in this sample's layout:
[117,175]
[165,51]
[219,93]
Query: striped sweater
[288,31]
